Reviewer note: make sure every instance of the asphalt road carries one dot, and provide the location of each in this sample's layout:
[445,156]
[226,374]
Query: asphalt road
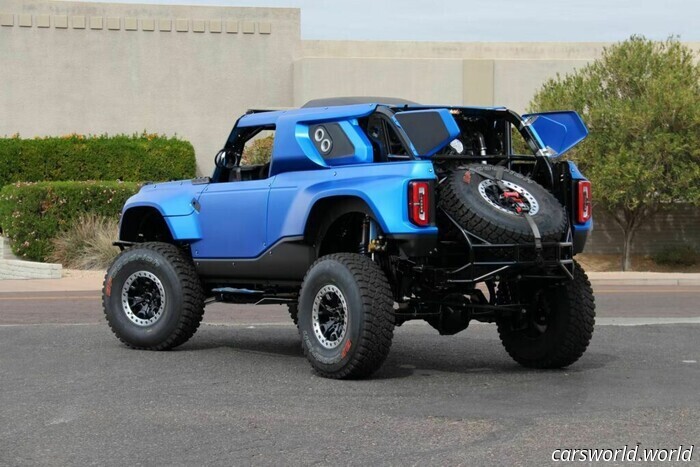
[617,301]
[240,392]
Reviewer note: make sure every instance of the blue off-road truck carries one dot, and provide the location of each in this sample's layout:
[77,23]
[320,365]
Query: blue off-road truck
[371,212]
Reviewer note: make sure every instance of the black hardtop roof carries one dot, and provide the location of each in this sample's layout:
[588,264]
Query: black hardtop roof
[351,100]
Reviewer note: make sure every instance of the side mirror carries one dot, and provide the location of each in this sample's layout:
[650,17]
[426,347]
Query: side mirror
[225,159]
[558,131]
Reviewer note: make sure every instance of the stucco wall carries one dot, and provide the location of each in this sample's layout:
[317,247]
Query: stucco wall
[437,72]
[68,77]
[422,80]
[451,72]
[192,70]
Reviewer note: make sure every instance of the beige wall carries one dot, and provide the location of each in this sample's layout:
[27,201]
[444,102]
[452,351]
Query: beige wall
[115,75]
[433,72]
[423,80]
[59,80]
[437,72]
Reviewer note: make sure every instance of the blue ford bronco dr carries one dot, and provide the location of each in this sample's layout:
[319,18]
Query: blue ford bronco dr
[371,212]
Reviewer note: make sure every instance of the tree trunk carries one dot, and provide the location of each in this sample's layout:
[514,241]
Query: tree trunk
[627,249]
[628,220]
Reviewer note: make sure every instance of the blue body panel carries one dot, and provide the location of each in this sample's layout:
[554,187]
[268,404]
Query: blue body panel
[383,187]
[243,219]
[290,148]
[558,131]
[233,219]
[174,201]
[170,198]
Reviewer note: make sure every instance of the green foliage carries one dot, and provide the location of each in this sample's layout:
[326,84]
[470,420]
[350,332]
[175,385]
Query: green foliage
[518,143]
[32,214]
[684,255]
[139,157]
[258,151]
[641,102]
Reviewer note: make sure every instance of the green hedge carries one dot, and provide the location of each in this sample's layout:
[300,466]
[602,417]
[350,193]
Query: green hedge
[32,214]
[681,255]
[139,157]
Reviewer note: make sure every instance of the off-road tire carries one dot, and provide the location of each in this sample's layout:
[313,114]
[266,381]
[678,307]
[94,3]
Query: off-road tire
[459,196]
[370,316]
[184,298]
[572,308]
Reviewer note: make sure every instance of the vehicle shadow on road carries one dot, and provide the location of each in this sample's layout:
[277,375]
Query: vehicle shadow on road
[416,354]
[283,341]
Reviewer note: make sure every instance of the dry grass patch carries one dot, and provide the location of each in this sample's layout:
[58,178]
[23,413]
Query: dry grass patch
[87,244]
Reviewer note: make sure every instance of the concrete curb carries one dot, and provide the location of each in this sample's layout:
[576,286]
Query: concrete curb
[645,278]
[12,267]
[5,250]
[85,281]
[66,284]
[17,269]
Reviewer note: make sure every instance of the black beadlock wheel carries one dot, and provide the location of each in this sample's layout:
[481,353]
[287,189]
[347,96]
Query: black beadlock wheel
[152,297]
[478,205]
[557,325]
[346,316]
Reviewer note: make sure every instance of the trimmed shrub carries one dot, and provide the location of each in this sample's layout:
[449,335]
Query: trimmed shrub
[87,244]
[258,151]
[32,214]
[135,158]
[684,255]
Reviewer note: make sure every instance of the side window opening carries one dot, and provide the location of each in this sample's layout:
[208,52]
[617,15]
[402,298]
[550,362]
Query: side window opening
[396,149]
[385,142]
[258,149]
[252,157]
[518,144]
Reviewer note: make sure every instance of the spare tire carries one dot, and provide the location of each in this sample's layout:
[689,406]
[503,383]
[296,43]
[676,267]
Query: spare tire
[472,197]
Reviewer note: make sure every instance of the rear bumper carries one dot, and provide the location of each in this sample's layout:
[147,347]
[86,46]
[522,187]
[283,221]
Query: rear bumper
[413,245]
[580,235]
[476,263]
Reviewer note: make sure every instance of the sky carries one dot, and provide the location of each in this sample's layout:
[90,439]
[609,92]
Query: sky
[485,20]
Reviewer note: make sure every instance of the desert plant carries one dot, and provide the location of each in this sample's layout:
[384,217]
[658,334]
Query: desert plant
[87,243]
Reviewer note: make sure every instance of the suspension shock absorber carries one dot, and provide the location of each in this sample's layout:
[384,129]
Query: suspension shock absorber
[364,239]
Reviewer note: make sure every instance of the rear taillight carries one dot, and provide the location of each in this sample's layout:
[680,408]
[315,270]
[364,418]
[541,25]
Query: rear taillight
[584,208]
[419,203]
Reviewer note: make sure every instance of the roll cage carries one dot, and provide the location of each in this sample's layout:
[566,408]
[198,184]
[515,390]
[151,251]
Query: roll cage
[393,143]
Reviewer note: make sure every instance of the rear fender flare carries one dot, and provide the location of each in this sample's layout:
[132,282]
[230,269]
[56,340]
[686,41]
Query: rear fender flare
[325,211]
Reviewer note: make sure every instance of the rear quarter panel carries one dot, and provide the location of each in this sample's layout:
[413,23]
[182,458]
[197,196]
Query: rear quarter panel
[382,186]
